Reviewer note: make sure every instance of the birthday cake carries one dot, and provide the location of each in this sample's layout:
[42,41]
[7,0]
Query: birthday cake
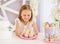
[28,35]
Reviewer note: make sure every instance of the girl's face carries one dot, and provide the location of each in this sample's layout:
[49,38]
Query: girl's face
[26,15]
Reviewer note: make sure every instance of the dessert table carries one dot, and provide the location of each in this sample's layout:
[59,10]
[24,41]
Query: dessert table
[9,37]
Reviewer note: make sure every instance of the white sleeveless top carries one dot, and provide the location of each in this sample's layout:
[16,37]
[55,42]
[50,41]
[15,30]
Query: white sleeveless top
[28,26]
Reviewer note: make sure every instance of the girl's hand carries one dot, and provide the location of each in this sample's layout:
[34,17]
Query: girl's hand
[36,33]
[18,34]
[35,29]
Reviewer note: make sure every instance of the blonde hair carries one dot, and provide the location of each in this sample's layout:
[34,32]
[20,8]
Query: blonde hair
[25,7]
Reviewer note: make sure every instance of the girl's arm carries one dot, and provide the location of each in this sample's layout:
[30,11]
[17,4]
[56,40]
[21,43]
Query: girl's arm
[17,28]
[35,28]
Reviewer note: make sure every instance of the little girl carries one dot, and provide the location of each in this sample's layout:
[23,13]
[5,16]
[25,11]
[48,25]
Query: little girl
[25,26]
[50,32]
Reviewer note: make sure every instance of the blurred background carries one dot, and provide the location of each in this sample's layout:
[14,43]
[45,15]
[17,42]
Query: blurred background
[9,10]
[43,10]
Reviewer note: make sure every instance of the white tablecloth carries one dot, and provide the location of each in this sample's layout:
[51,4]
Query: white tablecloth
[8,37]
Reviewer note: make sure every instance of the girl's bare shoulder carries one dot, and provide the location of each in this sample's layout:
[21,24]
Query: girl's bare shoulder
[33,23]
[17,20]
